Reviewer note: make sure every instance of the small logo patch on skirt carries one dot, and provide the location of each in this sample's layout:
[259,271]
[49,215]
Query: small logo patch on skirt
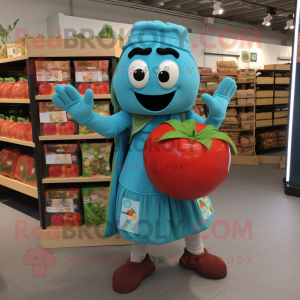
[129,215]
[205,207]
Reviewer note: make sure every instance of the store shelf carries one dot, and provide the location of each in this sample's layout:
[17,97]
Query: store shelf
[247,97]
[82,236]
[239,82]
[49,97]
[247,105]
[19,186]
[12,59]
[208,80]
[252,160]
[76,179]
[17,101]
[237,129]
[15,141]
[70,137]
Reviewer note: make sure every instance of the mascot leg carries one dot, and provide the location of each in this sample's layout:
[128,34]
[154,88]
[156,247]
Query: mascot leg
[128,277]
[195,257]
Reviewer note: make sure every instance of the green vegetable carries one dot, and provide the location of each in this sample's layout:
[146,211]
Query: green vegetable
[4,34]
[106,32]
[78,36]
[94,37]
[120,38]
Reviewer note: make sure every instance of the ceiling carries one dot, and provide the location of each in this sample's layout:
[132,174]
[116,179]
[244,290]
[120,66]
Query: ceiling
[239,11]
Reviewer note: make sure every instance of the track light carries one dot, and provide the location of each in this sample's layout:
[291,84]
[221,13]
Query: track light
[218,10]
[290,22]
[267,20]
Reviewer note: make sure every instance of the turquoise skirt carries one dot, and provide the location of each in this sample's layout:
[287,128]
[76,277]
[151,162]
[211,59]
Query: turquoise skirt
[159,219]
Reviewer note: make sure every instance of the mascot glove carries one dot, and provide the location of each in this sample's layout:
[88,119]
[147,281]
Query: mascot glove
[68,98]
[217,104]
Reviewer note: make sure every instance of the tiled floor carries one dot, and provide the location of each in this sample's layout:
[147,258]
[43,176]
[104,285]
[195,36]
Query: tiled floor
[261,246]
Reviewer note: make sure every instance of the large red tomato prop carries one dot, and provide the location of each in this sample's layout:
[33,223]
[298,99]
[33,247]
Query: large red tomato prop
[181,166]
[100,87]
[66,128]
[83,87]
[45,88]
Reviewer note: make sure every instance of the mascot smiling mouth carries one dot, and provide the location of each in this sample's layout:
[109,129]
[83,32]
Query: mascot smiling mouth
[155,102]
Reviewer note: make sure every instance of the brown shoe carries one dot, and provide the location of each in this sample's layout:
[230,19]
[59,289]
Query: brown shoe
[207,265]
[128,277]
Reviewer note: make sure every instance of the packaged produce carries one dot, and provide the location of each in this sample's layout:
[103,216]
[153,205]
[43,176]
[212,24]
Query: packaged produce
[20,89]
[51,73]
[25,170]
[2,121]
[95,201]
[55,121]
[100,107]
[92,75]
[24,132]
[6,126]
[61,160]
[6,88]
[95,159]
[8,163]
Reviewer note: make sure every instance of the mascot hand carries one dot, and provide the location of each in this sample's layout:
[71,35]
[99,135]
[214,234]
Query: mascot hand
[217,104]
[71,101]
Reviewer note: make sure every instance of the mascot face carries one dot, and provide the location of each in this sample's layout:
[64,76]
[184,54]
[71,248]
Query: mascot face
[159,80]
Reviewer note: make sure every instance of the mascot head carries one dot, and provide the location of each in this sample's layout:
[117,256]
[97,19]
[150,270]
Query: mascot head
[157,73]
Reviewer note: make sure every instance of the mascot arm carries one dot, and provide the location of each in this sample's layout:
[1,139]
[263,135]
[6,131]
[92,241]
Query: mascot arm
[190,114]
[109,126]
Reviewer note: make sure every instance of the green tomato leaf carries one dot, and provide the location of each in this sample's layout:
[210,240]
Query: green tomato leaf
[173,135]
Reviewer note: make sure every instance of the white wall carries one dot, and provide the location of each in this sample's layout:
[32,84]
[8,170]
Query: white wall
[33,15]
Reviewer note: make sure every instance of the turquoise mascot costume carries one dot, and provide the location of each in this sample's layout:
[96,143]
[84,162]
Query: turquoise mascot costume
[156,80]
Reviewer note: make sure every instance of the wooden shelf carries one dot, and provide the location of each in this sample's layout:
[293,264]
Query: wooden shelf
[74,48]
[15,141]
[238,82]
[247,97]
[252,160]
[70,137]
[247,105]
[76,179]
[49,97]
[84,236]
[19,186]
[239,129]
[208,80]
[12,59]
[17,101]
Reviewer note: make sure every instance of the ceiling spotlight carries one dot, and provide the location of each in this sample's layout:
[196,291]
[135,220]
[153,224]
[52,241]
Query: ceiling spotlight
[218,10]
[267,20]
[290,22]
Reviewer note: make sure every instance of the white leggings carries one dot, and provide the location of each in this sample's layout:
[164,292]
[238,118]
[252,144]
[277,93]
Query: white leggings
[193,244]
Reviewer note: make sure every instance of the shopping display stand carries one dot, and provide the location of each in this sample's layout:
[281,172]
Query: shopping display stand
[84,49]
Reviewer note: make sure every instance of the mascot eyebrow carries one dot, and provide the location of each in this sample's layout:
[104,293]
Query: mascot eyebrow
[167,51]
[139,51]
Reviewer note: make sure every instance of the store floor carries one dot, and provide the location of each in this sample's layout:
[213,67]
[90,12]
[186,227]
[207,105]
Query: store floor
[265,266]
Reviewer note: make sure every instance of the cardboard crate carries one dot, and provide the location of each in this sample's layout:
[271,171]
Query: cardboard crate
[281,121]
[281,100]
[265,80]
[264,101]
[282,80]
[264,123]
[284,67]
[264,116]
[282,94]
[264,94]
[280,114]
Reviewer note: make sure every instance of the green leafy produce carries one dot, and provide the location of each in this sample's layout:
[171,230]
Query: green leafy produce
[95,202]
[4,34]
[120,38]
[106,32]
[78,36]
[94,37]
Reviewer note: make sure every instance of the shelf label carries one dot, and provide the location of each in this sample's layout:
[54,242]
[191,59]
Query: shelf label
[53,116]
[58,159]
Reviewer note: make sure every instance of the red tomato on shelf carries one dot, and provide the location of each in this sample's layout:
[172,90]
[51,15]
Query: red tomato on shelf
[55,171]
[57,220]
[7,90]
[72,219]
[100,88]
[83,87]
[70,170]
[45,88]
[183,168]
[49,128]
[66,128]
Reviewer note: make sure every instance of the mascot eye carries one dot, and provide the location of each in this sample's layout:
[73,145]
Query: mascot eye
[138,73]
[168,73]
